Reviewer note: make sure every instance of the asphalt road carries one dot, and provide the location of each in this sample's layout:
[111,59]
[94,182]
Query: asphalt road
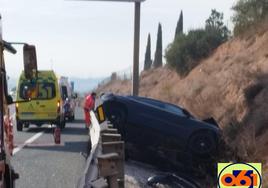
[42,164]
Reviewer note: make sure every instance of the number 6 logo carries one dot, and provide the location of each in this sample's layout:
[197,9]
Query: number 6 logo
[240,180]
[239,174]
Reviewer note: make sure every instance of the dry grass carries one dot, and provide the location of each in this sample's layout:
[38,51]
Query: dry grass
[265,175]
[231,85]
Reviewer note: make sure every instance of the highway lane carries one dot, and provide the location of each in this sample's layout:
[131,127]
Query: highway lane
[42,164]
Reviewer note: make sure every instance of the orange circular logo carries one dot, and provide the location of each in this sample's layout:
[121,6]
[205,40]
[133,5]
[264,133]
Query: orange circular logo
[236,175]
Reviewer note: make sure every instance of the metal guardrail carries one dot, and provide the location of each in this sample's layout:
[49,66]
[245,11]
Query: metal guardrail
[91,172]
[105,163]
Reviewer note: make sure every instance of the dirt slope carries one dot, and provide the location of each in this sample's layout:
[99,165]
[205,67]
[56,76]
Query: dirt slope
[231,85]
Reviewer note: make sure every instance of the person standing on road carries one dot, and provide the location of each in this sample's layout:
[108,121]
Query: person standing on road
[88,106]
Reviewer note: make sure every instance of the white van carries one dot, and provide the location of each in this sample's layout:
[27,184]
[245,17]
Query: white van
[68,98]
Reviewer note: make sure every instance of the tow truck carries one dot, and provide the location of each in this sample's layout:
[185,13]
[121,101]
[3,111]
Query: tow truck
[7,173]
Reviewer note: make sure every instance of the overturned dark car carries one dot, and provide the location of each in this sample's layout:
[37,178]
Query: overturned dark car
[160,128]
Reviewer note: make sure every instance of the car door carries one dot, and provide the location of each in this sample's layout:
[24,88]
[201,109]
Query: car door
[146,124]
[166,123]
[180,124]
[140,136]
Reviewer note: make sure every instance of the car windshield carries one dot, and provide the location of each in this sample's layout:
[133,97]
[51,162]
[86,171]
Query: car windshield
[168,107]
[40,90]
[151,102]
[176,110]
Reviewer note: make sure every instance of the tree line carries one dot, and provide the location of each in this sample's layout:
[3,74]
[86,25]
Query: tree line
[187,49]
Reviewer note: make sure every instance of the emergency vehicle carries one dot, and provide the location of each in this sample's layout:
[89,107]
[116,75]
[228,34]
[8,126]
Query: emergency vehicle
[45,104]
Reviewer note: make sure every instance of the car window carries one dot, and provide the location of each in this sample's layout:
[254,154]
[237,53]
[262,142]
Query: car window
[153,102]
[174,109]
[168,107]
[39,90]
[165,106]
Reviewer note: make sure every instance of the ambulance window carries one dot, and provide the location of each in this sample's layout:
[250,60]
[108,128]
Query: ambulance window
[27,90]
[42,91]
[46,90]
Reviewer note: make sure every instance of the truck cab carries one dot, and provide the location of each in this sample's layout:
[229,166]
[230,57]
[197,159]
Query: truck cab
[7,173]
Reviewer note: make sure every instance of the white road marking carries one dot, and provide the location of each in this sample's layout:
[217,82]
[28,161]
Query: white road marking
[29,141]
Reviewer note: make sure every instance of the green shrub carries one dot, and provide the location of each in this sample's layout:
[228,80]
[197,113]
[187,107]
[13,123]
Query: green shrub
[248,13]
[183,54]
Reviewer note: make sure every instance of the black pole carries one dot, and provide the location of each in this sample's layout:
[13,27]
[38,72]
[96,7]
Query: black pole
[2,154]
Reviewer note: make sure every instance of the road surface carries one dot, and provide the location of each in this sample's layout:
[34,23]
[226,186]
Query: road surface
[42,164]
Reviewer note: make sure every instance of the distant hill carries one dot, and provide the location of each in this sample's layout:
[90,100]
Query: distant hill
[12,83]
[81,85]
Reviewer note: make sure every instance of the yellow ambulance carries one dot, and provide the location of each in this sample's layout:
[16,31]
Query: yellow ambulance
[43,103]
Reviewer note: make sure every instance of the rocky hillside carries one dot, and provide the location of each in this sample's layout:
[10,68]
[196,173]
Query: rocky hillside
[231,85]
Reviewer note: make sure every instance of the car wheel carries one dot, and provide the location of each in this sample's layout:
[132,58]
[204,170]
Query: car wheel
[19,126]
[38,124]
[9,180]
[202,143]
[26,125]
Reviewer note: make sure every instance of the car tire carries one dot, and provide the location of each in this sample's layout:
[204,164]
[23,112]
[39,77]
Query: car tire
[38,124]
[19,126]
[8,179]
[201,144]
[26,125]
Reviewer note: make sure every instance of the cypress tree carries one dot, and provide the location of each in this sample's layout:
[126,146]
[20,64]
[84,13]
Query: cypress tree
[148,60]
[179,28]
[158,52]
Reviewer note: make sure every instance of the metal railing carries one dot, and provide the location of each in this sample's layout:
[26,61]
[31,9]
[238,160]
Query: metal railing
[105,163]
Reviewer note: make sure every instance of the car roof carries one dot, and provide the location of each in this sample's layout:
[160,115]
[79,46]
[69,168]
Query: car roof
[146,99]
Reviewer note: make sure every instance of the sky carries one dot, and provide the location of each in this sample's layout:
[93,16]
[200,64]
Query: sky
[92,39]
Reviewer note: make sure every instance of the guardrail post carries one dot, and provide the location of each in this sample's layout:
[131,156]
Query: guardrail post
[117,147]
[111,162]
[106,137]
[109,131]
[108,168]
